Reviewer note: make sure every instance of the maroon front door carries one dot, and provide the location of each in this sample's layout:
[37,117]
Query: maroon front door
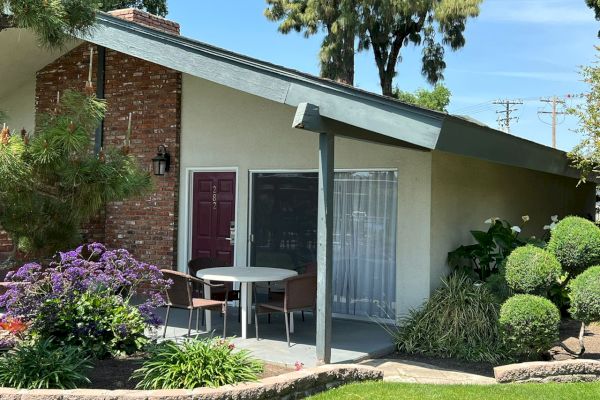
[213,215]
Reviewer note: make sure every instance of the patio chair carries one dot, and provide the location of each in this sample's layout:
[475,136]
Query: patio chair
[180,295]
[197,264]
[300,293]
[276,292]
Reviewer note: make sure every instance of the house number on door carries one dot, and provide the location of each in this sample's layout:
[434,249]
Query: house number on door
[214,197]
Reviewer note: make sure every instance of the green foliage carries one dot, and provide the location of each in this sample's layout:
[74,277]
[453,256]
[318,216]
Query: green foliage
[42,364]
[156,7]
[575,242]
[529,325]
[460,319]
[585,296]
[497,285]
[586,155]
[385,26]
[53,183]
[196,363]
[53,21]
[483,258]
[437,99]
[99,323]
[530,269]
[594,5]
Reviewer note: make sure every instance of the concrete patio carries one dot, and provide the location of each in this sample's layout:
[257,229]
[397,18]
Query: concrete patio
[352,341]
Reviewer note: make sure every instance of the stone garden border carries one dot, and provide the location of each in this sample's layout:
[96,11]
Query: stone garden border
[549,371]
[293,385]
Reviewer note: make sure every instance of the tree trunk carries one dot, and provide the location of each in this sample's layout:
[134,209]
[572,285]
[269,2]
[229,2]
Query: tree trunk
[581,335]
[386,80]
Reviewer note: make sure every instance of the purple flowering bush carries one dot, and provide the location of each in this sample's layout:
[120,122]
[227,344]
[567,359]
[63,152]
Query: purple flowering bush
[89,297]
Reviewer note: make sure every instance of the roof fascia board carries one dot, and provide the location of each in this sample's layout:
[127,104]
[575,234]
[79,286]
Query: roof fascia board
[465,138]
[337,102]
[308,118]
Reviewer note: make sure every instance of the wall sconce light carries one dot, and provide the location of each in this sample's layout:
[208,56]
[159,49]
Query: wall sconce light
[162,161]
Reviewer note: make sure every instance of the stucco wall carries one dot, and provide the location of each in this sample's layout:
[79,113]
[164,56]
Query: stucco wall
[19,106]
[224,128]
[466,192]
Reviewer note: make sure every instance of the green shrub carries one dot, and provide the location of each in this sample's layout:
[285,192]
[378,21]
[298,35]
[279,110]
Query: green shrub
[576,244]
[529,325]
[585,296]
[196,363]
[460,319]
[530,269]
[99,323]
[498,286]
[42,365]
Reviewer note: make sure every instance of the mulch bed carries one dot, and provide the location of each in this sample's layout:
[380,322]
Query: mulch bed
[114,374]
[569,335]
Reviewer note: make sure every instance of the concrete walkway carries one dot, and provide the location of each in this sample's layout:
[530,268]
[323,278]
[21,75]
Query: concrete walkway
[395,370]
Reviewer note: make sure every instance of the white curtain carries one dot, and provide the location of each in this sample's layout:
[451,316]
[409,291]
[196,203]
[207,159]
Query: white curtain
[364,243]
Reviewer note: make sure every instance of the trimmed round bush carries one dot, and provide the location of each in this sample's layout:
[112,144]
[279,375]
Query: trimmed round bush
[530,269]
[529,325]
[585,296]
[575,242]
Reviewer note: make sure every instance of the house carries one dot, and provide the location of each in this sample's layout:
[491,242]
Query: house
[275,167]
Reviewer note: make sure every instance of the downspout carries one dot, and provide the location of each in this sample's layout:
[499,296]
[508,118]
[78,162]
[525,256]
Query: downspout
[100,86]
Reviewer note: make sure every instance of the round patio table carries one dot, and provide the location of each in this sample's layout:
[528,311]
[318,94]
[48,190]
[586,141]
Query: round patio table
[246,276]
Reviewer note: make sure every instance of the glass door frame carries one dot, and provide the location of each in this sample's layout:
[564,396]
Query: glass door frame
[251,172]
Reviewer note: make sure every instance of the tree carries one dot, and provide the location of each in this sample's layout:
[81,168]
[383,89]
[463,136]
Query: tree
[436,99]
[385,26]
[586,155]
[336,17]
[52,182]
[54,21]
[156,7]
[594,5]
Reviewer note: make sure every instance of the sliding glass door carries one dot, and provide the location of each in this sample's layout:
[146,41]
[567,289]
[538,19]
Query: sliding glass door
[284,234]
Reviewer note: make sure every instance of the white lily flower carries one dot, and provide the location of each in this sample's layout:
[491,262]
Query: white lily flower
[554,218]
[525,218]
[488,221]
[547,227]
[516,229]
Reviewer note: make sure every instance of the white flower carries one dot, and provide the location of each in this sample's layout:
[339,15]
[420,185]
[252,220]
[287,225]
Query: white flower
[516,229]
[554,218]
[525,218]
[546,227]
[549,227]
[491,220]
[488,221]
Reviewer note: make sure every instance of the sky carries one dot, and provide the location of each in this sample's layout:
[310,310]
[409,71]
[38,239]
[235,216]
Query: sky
[516,49]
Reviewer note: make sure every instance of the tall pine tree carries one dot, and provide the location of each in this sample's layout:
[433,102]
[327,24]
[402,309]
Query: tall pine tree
[54,21]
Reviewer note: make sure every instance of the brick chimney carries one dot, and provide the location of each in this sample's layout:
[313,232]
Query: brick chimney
[147,19]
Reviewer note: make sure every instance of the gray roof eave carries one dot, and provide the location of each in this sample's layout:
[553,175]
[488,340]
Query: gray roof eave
[386,120]
[336,101]
[466,138]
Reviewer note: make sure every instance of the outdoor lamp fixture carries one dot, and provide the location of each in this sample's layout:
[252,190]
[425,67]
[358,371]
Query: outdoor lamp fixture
[162,161]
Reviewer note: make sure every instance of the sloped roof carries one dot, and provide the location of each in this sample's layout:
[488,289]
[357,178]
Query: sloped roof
[374,117]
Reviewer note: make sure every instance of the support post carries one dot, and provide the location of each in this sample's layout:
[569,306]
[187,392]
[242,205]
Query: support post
[324,248]
[100,86]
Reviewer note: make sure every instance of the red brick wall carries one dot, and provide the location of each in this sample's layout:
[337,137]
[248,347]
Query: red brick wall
[147,226]
[147,19]
[6,244]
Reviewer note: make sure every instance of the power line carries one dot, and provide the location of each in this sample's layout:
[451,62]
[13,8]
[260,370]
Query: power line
[555,102]
[504,121]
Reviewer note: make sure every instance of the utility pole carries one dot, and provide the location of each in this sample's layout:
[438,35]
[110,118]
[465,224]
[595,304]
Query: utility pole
[555,101]
[504,121]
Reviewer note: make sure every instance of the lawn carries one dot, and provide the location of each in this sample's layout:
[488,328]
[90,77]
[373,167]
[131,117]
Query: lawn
[399,391]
